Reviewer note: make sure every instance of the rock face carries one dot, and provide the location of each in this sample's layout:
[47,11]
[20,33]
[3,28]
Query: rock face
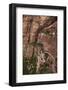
[39,44]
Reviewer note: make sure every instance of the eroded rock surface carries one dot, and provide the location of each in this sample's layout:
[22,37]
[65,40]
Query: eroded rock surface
[40,44]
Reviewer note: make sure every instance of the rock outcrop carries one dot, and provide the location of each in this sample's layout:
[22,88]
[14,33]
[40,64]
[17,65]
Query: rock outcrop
[39,44]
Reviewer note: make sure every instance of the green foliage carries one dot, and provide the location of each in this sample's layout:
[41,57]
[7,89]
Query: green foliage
[46,32]
[46,56]
[25,63]
[45,69]
[37,44]
[33,43]
[29,65]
